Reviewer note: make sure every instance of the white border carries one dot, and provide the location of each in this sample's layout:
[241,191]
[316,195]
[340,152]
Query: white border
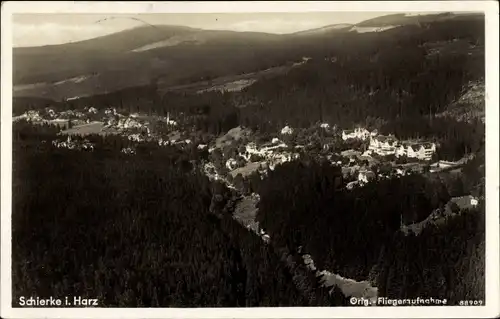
[492,308]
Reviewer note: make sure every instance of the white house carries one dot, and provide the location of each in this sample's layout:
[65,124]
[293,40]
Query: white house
[287,130]
[428,150]
[325,125]
[421,151]
[275,140]
[162,142]
[365,176]
[351,185]
[400,172]
[110,111]
[367,153]
[51,113]
[348,134]
[231,164]
[169,121]
[359,133]
[136,137]
[362,133]
[383,145]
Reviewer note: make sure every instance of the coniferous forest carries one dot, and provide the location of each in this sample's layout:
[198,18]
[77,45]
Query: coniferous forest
[132,231]
[357,233]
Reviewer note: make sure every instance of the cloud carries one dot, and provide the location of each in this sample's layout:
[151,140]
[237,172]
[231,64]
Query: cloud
[54,33]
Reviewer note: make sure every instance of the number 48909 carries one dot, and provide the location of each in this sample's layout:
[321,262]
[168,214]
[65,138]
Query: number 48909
[470,303]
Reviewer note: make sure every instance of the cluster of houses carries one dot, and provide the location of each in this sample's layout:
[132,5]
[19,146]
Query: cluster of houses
[277,152]
[110,111]
[270,155]
[71,144]
[136,126]
[389,145]
[128,150]
[357,133]
[72,114]
[50,116]
[32,116]
[274,154]
[137,137]
[92,110]
[111,118]
[365,176]
[127,123]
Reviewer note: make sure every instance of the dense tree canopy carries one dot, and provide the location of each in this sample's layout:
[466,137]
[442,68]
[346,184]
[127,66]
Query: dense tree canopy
[132,231]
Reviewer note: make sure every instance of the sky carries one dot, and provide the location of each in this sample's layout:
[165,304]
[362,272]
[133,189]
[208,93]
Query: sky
[45,29]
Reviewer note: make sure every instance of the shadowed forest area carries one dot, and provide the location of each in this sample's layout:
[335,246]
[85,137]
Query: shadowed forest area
[134,232]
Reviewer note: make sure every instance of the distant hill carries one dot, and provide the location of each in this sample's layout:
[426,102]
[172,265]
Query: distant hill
[118,42]
[136,57]
[175,55]
[411,18]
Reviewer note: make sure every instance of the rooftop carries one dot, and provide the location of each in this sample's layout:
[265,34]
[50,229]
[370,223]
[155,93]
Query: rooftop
[386,138]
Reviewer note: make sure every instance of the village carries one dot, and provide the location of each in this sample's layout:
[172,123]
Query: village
[379,156]
[359,166]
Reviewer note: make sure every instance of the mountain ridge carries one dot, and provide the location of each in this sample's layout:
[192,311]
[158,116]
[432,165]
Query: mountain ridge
[377,21]
[178,56]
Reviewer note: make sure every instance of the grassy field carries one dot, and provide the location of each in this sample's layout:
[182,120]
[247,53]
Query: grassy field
[247,169]
[224,81]
[246,212]
[90,128]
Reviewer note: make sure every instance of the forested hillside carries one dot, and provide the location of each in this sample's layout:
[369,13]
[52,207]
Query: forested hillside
[446,260]
[131,231]
[398,81]
[403,72]
[300,206]
[356,233]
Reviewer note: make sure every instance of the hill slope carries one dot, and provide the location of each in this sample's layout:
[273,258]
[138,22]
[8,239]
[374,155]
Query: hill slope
[134,57]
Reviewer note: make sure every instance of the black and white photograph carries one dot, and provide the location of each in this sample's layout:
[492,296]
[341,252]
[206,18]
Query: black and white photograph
[268,159]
